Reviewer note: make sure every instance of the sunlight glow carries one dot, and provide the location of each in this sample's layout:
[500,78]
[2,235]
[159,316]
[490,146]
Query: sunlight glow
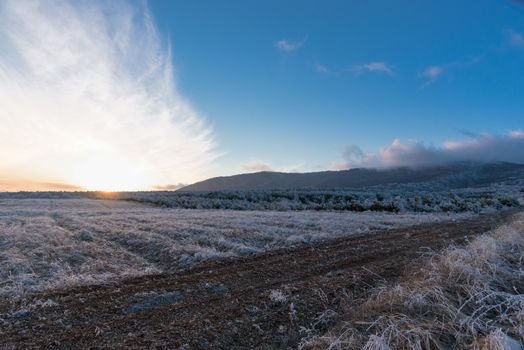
[88,99]
[109,173]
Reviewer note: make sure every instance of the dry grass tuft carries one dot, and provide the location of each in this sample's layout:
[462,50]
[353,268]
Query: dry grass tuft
[469,297]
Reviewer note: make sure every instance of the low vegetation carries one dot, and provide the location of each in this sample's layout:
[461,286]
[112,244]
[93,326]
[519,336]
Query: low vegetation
[469,297]
[50,243]
[424,197]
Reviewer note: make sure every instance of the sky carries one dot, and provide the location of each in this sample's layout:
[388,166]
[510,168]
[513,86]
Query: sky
[128,95]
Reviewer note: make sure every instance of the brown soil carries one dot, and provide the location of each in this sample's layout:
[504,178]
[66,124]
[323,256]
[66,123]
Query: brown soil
[225,304]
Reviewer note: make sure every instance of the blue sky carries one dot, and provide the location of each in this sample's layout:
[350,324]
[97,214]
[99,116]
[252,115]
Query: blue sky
[299,109]
[136,94]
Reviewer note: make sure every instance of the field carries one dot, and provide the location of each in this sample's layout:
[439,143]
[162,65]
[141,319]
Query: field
[50,243]
[78,272]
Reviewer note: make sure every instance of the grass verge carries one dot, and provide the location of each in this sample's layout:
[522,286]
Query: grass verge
[469,297]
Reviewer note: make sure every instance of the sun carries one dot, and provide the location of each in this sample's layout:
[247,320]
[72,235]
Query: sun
[111,172]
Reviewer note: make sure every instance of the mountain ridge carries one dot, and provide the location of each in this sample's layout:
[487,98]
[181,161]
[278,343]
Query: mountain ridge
[472,173]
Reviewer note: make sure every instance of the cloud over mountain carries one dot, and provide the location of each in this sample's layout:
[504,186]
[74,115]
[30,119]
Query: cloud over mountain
[257,166]
[478,148]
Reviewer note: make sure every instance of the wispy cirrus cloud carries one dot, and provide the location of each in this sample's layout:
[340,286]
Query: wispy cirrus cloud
[88,99]
[434,72]
[320,68]
[477,148]
[378,67]
[288,46]
[373,67]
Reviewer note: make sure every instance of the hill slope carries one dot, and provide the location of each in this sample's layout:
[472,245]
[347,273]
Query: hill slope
[456,174]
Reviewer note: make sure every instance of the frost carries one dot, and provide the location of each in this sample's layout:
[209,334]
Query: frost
[462,298]
[58,240]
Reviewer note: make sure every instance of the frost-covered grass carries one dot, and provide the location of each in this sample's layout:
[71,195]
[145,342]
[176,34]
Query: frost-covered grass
[422,197]
[47,243]
[468,297]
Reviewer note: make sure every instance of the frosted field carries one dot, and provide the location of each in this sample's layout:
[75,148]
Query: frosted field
[51,243]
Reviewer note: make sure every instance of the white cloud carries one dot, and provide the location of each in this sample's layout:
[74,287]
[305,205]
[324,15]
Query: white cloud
[169,187]
[373,67]
[481,148]
[432,73]
[516,134]
[88,99]
[257,166]
[378,67]
[290,46]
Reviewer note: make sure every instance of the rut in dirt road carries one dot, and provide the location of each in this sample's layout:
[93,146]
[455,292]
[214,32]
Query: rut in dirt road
[256,301]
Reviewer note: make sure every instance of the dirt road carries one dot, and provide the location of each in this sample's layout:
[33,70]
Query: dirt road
[259,301]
